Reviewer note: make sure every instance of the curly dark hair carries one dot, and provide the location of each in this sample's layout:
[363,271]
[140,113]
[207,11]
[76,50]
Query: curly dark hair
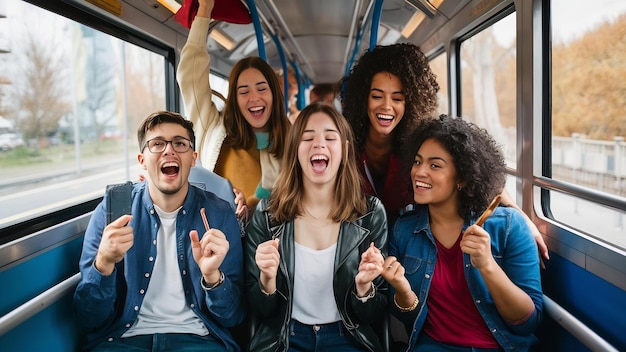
[478,159]
[408,63]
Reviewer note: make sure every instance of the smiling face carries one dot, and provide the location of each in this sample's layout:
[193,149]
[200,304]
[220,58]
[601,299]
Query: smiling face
[434,174]
[254,98]
[385,103]
[167,171]
[320,150]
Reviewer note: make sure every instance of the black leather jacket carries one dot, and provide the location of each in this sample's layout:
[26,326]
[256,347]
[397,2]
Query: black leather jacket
[273,312]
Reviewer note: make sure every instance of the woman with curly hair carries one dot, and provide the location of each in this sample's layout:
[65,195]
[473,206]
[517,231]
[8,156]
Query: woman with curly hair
[458,285]
[388,92]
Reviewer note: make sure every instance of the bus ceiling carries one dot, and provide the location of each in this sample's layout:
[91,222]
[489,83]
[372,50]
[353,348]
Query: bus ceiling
[322,38]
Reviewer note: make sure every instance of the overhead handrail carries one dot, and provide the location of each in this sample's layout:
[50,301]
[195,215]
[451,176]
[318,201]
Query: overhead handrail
[575,327]
[357,41]
[37,304]
[353,24]
[355,51]
[378,9]
[260,43]
[300,79]
[283,64]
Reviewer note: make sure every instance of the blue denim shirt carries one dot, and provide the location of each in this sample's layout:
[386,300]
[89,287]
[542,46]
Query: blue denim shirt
[108,305]
[512,246]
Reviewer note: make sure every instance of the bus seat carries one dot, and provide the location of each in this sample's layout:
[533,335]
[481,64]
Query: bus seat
[209,180]
[212,182]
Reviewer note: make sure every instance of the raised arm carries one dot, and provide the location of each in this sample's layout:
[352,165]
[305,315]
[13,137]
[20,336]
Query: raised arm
[193,79]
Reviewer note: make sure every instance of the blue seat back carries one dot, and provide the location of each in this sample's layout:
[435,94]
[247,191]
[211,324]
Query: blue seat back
[212,182]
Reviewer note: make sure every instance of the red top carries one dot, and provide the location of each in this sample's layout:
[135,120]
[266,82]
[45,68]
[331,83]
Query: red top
[232,11]
[452,315]
[396,193]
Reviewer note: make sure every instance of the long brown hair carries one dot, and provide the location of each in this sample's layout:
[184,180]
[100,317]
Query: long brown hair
[286,200]
[238,130]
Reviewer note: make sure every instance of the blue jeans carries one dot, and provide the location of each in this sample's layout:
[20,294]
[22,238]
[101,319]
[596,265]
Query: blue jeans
[427,344]
[162,343]
[321,338]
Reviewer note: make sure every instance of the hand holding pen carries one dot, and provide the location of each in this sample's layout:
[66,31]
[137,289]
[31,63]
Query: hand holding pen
[209,251]
[476,241]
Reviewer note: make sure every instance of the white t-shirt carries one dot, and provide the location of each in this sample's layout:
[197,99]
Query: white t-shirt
[313,296]
[164,309]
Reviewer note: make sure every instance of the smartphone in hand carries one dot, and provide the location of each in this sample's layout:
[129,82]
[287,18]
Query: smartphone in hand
[118,200]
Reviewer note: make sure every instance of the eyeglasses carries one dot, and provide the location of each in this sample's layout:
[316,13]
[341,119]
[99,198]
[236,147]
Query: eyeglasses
[158,145]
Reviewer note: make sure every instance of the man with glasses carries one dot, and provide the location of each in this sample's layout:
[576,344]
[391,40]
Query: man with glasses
[169,276]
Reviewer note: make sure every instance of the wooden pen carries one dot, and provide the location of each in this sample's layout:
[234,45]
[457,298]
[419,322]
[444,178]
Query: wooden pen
[206,222]
[483,217]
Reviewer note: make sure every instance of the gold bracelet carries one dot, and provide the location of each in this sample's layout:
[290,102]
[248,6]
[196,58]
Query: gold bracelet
[406,309]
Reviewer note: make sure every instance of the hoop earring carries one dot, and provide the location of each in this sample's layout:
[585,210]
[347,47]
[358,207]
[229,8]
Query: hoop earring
[458,187]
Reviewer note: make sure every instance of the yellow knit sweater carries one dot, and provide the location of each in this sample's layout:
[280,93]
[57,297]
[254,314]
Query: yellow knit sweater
[245,169]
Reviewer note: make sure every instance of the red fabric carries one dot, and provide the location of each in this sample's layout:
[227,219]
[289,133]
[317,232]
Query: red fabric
[452,315]
[397,192]
[231,11]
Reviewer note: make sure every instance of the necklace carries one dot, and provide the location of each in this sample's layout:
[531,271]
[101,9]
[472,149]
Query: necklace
[313,216]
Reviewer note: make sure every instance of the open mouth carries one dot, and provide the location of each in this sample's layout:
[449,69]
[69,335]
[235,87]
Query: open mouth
[170,169]
[384,119]
[319,162]
[419,184]
[257,112]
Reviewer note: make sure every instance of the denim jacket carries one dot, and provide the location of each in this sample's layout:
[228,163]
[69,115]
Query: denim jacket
[512,246]
[108,305]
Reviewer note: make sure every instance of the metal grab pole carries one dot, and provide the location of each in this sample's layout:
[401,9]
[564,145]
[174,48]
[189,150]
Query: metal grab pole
[254,13]
[378,9]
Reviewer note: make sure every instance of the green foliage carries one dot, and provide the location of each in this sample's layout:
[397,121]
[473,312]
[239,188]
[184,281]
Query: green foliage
[20,156]
[25,161]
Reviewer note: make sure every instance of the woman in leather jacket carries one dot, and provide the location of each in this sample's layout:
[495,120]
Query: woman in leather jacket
[314,250]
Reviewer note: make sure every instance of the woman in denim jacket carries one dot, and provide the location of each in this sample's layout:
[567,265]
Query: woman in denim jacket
[455,285]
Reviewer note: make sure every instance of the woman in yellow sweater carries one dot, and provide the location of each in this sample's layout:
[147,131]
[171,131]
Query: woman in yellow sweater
[245,142]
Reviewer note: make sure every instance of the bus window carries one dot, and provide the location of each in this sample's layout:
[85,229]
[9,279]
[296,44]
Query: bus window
[219,85]
[439,66]
[488,83]
[70,101]
[589,112]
